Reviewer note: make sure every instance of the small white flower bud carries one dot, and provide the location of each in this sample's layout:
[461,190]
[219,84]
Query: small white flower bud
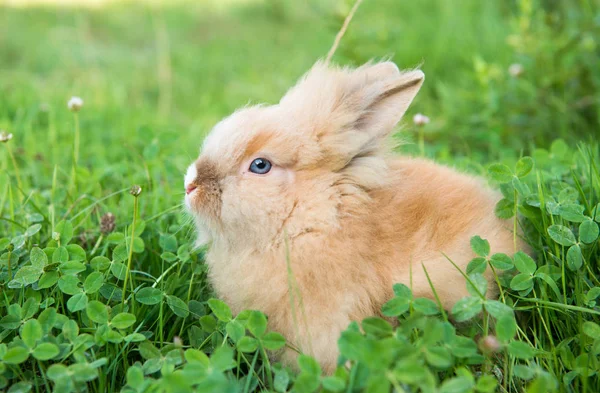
[135,190]
[75,104]
[420,119]
[177,341]
[516,70]
[5,136]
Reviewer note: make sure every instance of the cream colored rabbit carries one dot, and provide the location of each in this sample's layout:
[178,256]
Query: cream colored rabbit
[315,173]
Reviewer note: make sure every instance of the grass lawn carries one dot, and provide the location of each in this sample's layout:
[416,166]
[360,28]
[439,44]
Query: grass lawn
[92,301]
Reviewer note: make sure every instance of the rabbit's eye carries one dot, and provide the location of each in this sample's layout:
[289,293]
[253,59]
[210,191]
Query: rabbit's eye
[260,166]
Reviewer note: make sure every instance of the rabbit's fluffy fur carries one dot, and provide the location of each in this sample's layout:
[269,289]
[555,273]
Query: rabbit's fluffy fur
[348,218]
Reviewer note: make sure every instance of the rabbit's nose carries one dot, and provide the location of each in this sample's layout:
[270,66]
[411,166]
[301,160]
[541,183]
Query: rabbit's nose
[190,188]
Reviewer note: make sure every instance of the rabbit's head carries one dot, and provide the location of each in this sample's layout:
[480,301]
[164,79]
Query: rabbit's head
[297,167]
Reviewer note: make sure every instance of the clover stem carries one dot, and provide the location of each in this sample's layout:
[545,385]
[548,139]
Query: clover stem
[162,300]
[515,221]
[189,296]
[9,265]
[76,140]
[97,244]
[130,257]
[497,279]
[17,174]
[75,149]
[43,372]
[266,360]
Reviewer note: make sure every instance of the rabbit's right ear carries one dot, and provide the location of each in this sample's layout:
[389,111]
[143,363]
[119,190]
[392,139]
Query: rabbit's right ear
[386,100]
[350,111]
[372,102]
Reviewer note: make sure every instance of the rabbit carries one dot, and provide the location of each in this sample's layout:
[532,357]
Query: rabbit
[311,219]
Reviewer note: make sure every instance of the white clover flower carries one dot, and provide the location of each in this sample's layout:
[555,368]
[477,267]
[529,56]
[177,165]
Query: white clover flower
[75,104]
[5,136]
[516,70]
[420,119]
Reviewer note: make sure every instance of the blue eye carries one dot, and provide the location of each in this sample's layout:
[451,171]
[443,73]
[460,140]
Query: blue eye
[260,166]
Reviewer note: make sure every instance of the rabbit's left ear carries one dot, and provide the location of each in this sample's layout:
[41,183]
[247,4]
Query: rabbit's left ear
[386,101]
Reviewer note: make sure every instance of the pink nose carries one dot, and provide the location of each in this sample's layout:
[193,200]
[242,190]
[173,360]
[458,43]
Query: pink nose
[189,188]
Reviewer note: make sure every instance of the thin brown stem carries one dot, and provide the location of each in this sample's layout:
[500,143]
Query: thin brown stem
[342,31]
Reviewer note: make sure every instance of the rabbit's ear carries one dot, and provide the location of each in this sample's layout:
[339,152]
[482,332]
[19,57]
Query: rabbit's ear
[387,99]
[350,111]
[379,71]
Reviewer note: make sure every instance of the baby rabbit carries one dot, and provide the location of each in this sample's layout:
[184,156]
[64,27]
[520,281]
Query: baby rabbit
[311,184]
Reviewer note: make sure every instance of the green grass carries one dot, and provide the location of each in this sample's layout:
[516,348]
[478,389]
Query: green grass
[87,307]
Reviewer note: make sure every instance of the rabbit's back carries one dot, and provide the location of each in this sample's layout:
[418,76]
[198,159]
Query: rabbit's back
[427,216]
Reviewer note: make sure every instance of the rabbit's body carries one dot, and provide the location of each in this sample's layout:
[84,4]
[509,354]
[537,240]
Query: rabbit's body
[344,271]
[320,238]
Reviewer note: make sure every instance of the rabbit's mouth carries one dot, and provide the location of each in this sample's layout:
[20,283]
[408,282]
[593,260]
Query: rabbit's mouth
[190,176]
[189,188]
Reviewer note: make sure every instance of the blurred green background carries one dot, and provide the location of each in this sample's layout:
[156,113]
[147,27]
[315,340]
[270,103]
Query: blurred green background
[157,75]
